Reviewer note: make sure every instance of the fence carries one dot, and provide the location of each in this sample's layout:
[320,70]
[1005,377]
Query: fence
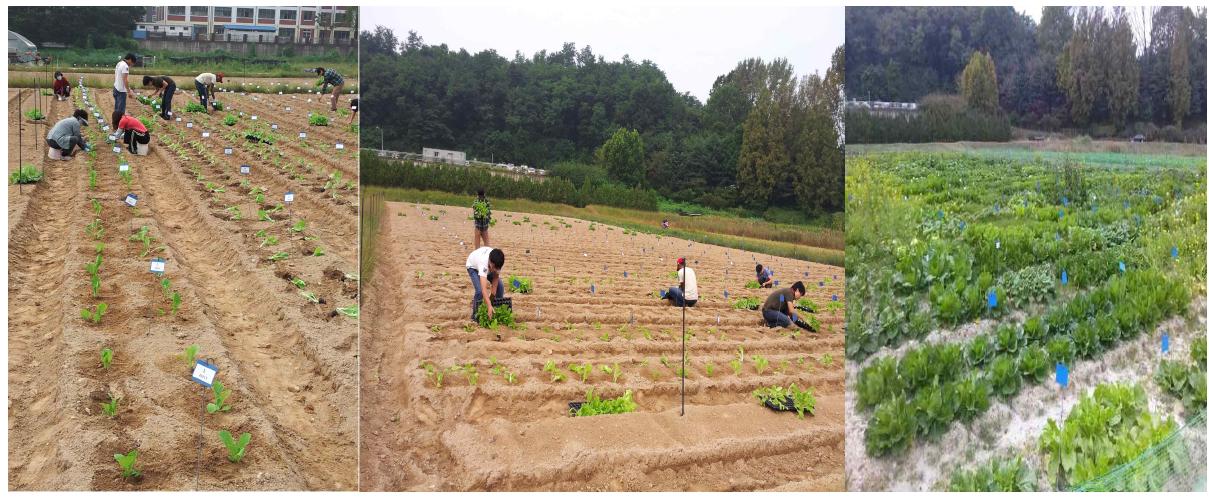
[1177,464]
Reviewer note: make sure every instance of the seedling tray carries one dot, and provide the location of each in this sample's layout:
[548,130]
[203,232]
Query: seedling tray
[574,407]
[788,405]
[495,302]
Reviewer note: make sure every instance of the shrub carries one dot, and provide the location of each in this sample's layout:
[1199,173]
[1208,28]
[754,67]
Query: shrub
[317,120]
[195,107]
[891,428]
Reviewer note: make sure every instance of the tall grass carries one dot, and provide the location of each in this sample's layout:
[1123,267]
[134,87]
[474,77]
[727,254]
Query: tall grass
[185,83]
[646,222]
[103,60]
[373,203]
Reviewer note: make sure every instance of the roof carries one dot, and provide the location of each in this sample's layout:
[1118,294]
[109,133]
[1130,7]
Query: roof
[246,27]
[14,38]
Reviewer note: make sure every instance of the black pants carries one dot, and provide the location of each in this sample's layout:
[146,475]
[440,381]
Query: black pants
[202,94]
[73,142]
[166,106]
[132,137]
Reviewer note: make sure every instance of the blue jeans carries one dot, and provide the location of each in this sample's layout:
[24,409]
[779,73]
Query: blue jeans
[677,297]
[478,290]
[119,102]
[202,93]
[776,319]
[166,106]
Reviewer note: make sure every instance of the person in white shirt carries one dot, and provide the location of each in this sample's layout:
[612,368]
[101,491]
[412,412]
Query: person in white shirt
[121,86]
[204,83]
[483,266]
[686,293]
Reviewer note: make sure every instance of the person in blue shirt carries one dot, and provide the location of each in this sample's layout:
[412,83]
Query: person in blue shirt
[763,276]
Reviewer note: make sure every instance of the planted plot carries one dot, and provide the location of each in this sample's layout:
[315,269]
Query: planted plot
[135,268]
[585,346]
[998,292]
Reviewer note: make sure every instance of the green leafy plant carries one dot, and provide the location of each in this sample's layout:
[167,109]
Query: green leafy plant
[106,358]
[95,313]
[351,311]
[189,355]
[230,120]
[502,315]
[520,285]
[318,252]
[583,370]
[220,398]
[27,174]
[279,256]
[197,107]
[127,462]
[236,449]
[556,375]
[35,114]
[891,428]
[998,475]
[761,363]
[749,303]
[595,405]
[110,408]
[95,229]
[299,226]
[1005,376]
[317,120]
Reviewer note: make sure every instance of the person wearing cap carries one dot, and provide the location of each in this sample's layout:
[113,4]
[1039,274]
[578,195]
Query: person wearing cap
[331,77]
[483,265]
[62,87]
[778,309]
[204,83]
[121,86]
[133,133]
[686,293]
[353,106]
[164,86]
[68,133]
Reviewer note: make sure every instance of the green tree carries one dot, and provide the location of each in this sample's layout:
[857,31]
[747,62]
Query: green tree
[762,156]
[622,157]
[1120,53]
[1080,71]
[1179,91]
[978,83]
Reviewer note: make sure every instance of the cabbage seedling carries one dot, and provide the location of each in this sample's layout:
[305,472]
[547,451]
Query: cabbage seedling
[190,354]
[318,251]
[351,311]
[279,256]
[310,296]
[110,408]
[761,363]
[95,313]
[106,358]
[96,207]
[236,449]
[299,226]
[127,462]
[269,241]
[176,302]
[299,283]
[220,399]
[583,370]
[736,365]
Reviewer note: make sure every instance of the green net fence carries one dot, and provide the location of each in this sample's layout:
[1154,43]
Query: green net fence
[1177,464]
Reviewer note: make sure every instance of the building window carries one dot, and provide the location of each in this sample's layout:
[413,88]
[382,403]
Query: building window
[171,28]
[289,15]
[199,11]
[325,18]
[269,15]
[341,17]
[222,11]
[341,35]
[219,30]
[285,33]
[176,11]
[308,16]
[242,12]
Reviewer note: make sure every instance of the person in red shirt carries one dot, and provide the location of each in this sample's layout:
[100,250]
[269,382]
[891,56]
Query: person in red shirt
[62,87]
[133,132]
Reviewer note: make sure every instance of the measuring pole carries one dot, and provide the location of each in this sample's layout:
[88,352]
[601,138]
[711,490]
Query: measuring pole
[20,157]
[201,423]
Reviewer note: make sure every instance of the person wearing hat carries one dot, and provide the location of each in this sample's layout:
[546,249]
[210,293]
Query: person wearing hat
[204,83]
[164,86]
[686,293]
[121,86]
[331,77]
[62,87]
[68,133]
[778,309]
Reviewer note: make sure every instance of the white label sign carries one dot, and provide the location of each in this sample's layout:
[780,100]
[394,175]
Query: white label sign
[302,135]
[226,151]
[117,150]
[354,107]
[189,125]
[289,197]
[105,128]
[157,265]
[245,169]
[287,109]
[204,373]
[253,118]
[123,167]
[205,134]
[339,146]
[132,199]
[274,127]
[178,119]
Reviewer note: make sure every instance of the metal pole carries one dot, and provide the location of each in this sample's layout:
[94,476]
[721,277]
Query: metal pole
[20,149]
[683,343]
[201,422]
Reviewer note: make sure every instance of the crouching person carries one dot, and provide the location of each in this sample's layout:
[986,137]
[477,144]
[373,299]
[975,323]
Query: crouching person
[67,134]
[684,295]
[134,135]
[778,309]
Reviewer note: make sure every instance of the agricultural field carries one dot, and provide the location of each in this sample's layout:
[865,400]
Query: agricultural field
[451,405]
[980,283]
[101,348]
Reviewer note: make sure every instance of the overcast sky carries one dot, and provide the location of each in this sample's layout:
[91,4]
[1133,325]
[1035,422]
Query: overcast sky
[692,43]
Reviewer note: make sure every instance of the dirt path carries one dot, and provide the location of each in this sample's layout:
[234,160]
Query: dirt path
[500,435]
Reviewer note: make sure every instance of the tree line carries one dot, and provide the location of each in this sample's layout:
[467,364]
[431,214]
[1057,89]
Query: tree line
[1105,71]
[764,138]
[77,26]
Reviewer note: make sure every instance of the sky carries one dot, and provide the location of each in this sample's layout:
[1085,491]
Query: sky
[693,43]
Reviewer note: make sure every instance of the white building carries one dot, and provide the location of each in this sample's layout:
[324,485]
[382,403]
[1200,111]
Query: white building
[446,156]
[323,25]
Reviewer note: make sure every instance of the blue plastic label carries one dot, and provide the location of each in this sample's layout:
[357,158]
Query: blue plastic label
[992,300]
[204,373]
[1062,375]
[1063,277]
[1166,345]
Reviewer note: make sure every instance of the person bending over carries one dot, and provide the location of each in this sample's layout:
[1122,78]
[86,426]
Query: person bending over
[763,276]
[483,265]
[132,132]
[204,83]
[686,293]
[779,309]
[331,77]
[164,86]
